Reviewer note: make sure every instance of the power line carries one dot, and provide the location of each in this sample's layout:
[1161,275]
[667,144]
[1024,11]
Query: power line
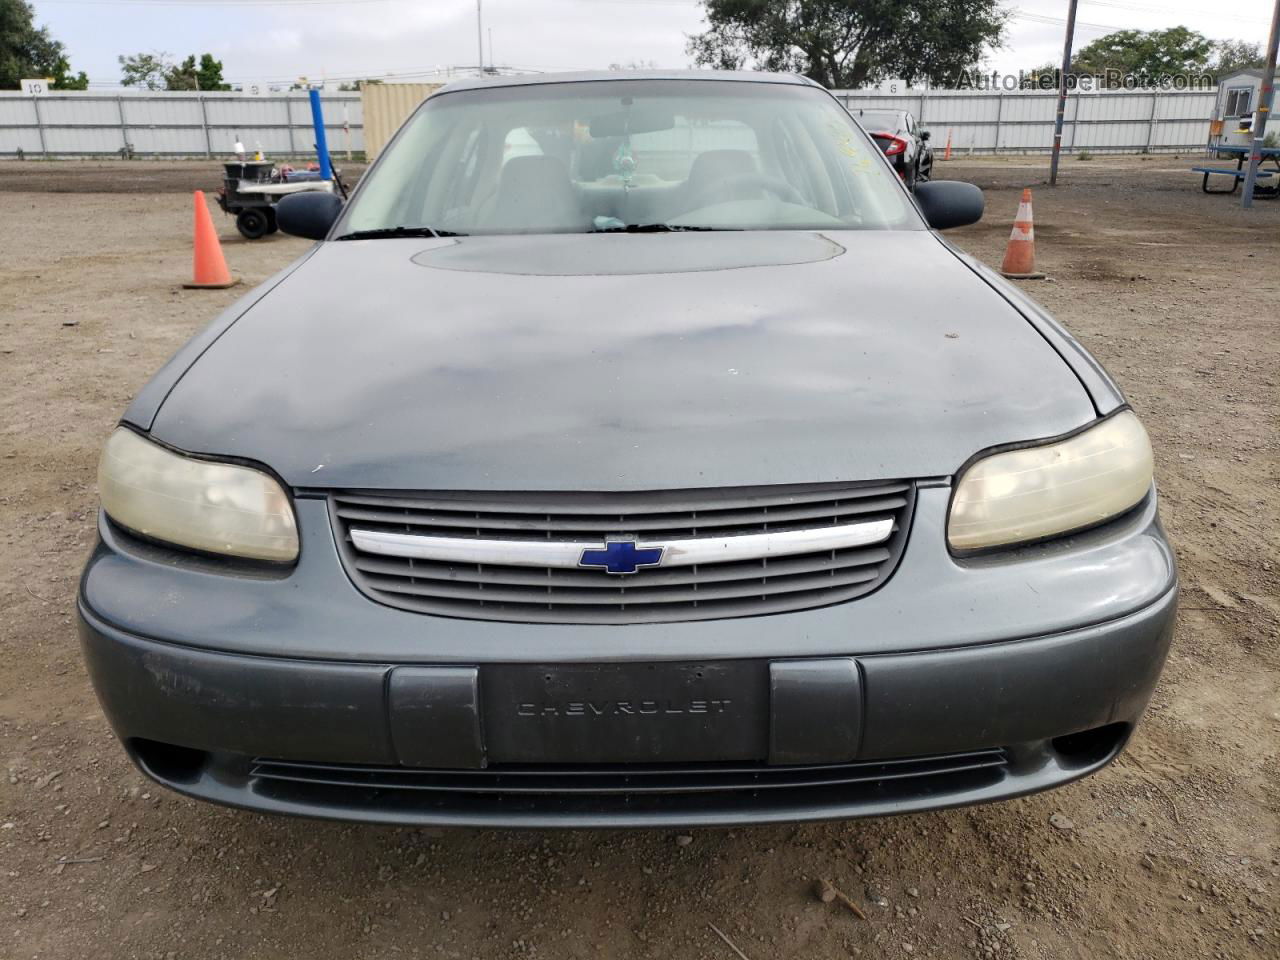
[1059,21]
[1020,15]
[1107,27]
[445,73]
[409,74]
[1171,11]
[214,4]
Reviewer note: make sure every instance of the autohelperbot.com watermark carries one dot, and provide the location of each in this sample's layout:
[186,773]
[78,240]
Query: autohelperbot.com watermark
[1050,79]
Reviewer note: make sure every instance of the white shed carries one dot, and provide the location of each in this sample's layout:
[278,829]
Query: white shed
[1238,95]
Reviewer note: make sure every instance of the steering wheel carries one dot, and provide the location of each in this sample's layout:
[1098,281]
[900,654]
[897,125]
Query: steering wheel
[740,185]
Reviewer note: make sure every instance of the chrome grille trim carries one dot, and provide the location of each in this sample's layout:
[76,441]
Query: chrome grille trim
[515,556]
[675,553]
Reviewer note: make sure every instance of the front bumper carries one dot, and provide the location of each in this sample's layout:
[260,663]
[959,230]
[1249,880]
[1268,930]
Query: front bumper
[958,682]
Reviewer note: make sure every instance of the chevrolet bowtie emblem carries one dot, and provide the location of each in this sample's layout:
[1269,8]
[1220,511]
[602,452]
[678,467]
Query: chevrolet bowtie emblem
[621,556]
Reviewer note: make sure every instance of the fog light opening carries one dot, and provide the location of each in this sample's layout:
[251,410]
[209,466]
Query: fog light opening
[169,762]
[1090,746]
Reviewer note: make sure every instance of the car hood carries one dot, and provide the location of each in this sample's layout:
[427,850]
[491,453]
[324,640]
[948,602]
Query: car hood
[623,362]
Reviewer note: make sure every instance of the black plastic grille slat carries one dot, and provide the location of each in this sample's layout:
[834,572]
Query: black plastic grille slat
[604,780]
[651,595]
[831,563]
[619,594]
[634,771]
[541,612]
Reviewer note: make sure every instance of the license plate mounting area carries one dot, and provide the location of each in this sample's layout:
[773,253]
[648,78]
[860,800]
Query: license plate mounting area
[625,712]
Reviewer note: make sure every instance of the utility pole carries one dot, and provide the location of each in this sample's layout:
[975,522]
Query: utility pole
[1062,93]
[492,66]
[479,41]
[1265,103]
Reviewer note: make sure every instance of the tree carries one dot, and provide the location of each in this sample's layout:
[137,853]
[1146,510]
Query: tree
[63,78]
[188,75]
[850,43]
[183,76]
[211,73]
[1232,55]
[157,71]
[634,65]
[1151,55]
[148,70]
[27,51]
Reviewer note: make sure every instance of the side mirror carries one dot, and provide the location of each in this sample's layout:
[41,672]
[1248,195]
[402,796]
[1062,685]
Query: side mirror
[308,214]
[924,134]
[949,203]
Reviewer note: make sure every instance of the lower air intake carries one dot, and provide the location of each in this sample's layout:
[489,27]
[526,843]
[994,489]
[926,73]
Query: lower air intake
[681,788]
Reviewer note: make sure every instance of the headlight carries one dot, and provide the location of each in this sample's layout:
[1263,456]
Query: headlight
[218,507]
[1043,491]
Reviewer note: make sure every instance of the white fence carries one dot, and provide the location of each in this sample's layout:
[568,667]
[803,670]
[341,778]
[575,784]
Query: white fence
[1110,121]
[207,124]
[173,124]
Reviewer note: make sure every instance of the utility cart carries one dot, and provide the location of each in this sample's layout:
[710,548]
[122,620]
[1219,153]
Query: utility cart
[251,189]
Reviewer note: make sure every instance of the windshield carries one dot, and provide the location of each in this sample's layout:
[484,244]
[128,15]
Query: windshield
[881,120]
[621,155]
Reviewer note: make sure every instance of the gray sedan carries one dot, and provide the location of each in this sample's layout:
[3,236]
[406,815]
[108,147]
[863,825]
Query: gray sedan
[594,469]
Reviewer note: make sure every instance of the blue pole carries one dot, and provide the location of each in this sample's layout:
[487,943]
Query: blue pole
[322,145]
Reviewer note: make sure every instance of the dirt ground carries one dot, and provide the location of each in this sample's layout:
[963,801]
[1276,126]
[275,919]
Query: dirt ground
[144,176]
[1172,852]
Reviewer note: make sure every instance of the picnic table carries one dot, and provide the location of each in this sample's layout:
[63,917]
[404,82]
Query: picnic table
[1270,155]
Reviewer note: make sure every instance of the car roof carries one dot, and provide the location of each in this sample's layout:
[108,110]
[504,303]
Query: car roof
[588,76]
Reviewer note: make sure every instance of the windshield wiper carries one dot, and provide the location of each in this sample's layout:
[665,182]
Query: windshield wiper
[384,232]
[655,228]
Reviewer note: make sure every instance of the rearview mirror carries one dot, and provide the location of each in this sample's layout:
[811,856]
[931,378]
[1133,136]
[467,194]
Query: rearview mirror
[949,203]
[641,119]
[308,214]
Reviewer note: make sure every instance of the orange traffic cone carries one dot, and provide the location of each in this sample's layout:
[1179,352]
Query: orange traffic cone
[1020,255]
[208,265]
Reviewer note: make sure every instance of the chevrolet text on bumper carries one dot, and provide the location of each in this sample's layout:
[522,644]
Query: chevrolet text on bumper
[612,482]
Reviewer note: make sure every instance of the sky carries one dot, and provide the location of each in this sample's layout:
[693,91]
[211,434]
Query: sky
[278,41]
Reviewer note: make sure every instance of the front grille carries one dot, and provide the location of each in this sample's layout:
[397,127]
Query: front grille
[567,595]
[603,785]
